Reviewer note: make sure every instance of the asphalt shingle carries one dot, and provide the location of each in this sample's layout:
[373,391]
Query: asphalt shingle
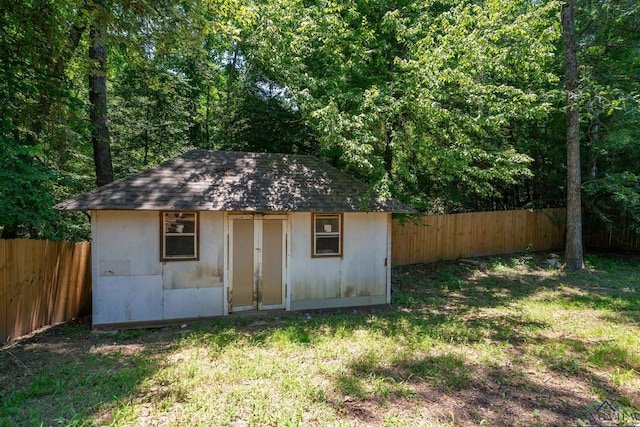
[237,181]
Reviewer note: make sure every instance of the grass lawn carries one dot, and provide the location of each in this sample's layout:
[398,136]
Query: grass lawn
[514,341]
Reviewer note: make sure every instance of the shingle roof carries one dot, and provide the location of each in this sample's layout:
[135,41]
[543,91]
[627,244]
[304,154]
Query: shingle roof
[236,181]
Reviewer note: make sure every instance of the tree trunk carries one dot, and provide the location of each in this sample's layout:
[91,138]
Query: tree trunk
[573,251]
[98,100]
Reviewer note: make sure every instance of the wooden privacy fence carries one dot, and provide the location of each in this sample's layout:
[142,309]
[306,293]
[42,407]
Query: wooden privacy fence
[42,283]
[441,237]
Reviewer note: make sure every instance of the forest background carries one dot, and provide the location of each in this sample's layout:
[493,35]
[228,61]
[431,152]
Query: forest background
[448,105]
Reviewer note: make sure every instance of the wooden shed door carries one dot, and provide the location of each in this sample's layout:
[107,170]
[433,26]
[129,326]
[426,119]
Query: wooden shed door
[272,289]
[257,264]
[243,266]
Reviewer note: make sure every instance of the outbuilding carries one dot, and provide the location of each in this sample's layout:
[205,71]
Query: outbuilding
[211,233]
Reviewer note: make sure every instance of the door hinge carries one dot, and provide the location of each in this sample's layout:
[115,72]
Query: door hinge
[385,262]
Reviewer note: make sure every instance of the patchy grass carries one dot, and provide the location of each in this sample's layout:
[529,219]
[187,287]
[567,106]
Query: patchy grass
[517,342]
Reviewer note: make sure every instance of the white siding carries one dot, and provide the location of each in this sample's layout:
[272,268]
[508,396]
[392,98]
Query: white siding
[311,278]
[207,271]
[365,249]
[127,299]
[358,278]
[188,303]
[131,284]
[128,239]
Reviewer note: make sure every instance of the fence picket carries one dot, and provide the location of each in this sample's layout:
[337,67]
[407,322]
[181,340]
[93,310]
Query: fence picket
[441,237]
[12,311]
[38,286]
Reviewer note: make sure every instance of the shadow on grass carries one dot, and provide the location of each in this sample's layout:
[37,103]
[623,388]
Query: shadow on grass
[68,376]
[443,303]
[447,304]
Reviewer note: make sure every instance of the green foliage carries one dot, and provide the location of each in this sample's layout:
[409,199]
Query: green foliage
[25,193]
[484,87]
[39,116]
[150,117]
[264,120]
[448,105]
[610,101]
[434,103]
[615,201]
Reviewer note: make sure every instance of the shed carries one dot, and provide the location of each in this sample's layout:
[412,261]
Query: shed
[211,233]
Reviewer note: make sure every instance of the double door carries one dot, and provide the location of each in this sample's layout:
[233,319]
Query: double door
[257,262]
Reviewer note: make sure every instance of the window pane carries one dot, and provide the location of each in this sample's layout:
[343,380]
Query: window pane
[180,222]
[327,245]
[328,224]
[188,221]
[180,246]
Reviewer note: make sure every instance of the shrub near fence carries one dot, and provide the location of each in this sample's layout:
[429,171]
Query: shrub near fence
[443,237]
[42,283]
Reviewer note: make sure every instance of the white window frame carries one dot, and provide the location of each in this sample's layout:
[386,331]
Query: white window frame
[333,233]
[164,220]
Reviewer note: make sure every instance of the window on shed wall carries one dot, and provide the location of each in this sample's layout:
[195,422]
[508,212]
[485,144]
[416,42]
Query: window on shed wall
[327,235]
[179,236]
